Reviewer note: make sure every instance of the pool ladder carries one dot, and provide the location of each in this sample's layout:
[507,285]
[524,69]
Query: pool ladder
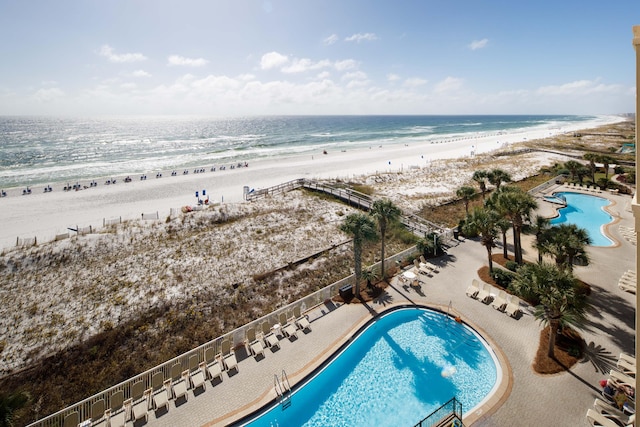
[283,389]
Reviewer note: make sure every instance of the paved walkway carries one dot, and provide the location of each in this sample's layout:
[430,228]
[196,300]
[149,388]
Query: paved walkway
[524,397]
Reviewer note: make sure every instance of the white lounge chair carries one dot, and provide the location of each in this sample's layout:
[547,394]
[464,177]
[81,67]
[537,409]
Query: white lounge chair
[180,382]
[513,306]
[611,411]
[301,320]
[473,289]
[500,302]
[140,401]
[269,336]
[627,286]
[72,419]
[161,389]
[255,345]
[229,356]
[214,367]
[627,358]
[422,268]
[197,373]
[596,419]
[288,328]
[117,413]
[620,379]
[485,293]
[626,368]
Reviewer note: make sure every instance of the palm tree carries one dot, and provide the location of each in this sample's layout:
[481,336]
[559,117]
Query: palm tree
[362,229]
[430,243]
[606,161]
[497,177]
[516,205]
[484,222]
[540,225]
[560,304]
[566,243]
[9,403]
[573,166]
[593,158]
[504,225]
[466,193]
[369,275]
[384,212]
[481,178]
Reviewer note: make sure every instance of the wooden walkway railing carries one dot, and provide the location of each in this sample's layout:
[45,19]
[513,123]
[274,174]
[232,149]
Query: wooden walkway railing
[414,223]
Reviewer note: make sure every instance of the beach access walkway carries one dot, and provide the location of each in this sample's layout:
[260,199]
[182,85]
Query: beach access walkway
[529,398]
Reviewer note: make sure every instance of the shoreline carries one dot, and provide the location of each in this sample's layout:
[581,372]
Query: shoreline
[44,215]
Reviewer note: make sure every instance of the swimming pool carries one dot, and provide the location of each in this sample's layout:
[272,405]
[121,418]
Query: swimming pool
[587,212]
[402,367]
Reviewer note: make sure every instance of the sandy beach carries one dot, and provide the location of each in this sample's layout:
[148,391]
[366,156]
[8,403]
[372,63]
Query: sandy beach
[44,215]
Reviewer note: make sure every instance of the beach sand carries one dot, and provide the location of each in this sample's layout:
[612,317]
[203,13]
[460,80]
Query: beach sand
[44,215]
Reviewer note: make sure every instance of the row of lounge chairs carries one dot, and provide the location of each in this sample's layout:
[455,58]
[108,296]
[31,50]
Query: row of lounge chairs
[424,267]
[289,326]
[501,302]
[163,391]
[613,413]
[628,281]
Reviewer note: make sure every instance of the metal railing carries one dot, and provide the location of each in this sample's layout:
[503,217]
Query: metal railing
[447,413]
[237,337]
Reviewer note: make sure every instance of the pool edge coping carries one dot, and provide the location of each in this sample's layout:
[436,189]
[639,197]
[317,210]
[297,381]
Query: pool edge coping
[490,405]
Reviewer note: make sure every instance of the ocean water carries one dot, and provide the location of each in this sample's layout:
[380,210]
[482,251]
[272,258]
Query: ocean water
[41,150]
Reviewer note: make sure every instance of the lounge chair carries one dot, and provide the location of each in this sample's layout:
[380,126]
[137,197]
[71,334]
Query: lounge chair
[620,379]
[627,286]
[117,413]
[98,416]
[301,320]
[627,358]
[626,368]
[288,328]
[198,373]
[473,289]
[596,419]
[485,293]
[269,336]
[140,401]
[500,302]
[180,382]
[610,411]
[72,419]
[161,389]
[431,266]
[255,345]
[229,356]
[422,268]
[214,368]
[513,306]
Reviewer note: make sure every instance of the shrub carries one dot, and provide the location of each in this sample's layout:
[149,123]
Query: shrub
[502,278]
[511,265]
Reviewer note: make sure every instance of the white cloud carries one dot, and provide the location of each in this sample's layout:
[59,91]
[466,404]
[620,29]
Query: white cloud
[273,60]
[48,95]
[188,62]
[578,87]
[345,64]
[393,77]
[323,75]
[140,73]
[449,84]
[330,40]
[109,53]
[359,37]
[478,44]
[305,64]
[414,82]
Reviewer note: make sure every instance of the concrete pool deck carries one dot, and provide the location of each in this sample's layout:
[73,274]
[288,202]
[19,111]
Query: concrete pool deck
[524,396]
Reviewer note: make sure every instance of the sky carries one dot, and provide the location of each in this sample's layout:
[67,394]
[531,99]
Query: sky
[241,57]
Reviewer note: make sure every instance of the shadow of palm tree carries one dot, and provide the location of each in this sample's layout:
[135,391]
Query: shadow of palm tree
[383,299]
[601,359]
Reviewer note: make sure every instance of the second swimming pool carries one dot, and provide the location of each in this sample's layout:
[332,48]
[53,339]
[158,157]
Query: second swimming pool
[402,367]
[587,212]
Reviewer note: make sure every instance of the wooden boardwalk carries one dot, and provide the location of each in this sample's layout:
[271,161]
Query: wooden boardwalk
[416,224]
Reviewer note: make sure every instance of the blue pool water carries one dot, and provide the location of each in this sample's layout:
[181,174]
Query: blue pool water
[401,368]
[586,212]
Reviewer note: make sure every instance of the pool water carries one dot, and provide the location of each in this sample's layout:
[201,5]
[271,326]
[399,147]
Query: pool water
[401,368]
[586,212]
